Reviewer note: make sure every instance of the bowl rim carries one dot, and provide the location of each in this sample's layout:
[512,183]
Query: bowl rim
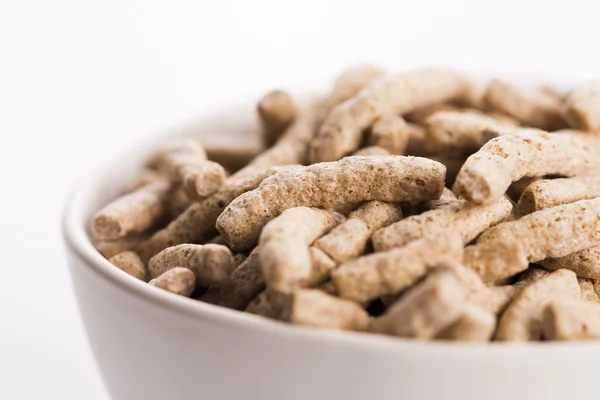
[78,241]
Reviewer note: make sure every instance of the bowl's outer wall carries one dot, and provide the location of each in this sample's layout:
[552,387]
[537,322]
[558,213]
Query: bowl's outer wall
[148,349]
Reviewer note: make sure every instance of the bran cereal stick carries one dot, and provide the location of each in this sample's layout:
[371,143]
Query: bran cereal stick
[130,263]
[582,107]
[353,179]
[350,238]
[425,310]
[132,213]
[184,161]
[555,232]
[419,116]
[459,130]
[588,293]
[293,145]
[447,199]
[197,223]
[548,193]
[522,320]
[529,105]
[285,241]
[271,304]
[473,325]
[341,131]
[321,267]
[212,264]
[515,190]
[567,319]
[311,307]
[477,294]
[180,281]
[390,133]
[371,151]
[460,217]
[487,174]
[384,273]
[276,111]
[416,139]
[109,248]
[585,263]
[245,283]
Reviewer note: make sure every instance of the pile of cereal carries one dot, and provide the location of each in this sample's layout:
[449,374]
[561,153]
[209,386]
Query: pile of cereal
[346,219]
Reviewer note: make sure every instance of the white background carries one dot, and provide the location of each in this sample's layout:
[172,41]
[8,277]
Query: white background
[80,80]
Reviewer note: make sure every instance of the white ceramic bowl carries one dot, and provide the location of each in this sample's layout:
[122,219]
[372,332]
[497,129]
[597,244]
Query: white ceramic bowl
[150,344]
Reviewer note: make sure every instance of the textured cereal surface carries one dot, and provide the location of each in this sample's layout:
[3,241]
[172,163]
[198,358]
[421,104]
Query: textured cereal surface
[352,179]
[284,243]
[389,272]
[457,216]
[522,320]
[340,133]
[487,174]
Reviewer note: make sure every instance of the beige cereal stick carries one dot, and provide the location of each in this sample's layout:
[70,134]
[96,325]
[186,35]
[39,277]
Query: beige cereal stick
[460,217]
[185,161]
[211,263]
[494,299]
[177,202]
[522,320]
[284,243]
[551,233]
[416,141]
[350,239]
[487,174]
[132,213]
[321,267]
[197,223]
[390,133]
[245,283]
[447,199]
[548,193]
[276,111]
[477,294]
[515,190]
[203,179]
[352,179]
[109,248]
[582,108]
[180,281]
[426,309]
[532,274]
[341,132]
[585,263]
[473,325]
[567,319]
[496,260]
[588,293]
[130,262]
[389,272]
[420,115]
[459,130]
[271,304]
[371,151]
[293,145]
[311,307]
[529,105]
